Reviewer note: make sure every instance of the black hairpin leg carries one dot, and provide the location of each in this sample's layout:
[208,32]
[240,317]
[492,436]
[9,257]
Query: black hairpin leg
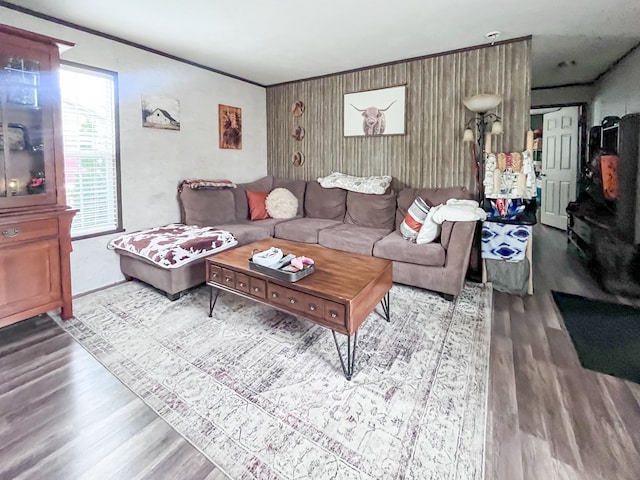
[351,354]
[212,299]
[385,306]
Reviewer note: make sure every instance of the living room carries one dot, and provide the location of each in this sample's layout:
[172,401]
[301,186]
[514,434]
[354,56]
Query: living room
[532,366]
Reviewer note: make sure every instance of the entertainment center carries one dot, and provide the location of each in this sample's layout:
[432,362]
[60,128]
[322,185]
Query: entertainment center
[604,222]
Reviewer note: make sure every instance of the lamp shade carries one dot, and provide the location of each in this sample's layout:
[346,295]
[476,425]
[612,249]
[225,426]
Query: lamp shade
[496,128]
[482,102]
[468,135]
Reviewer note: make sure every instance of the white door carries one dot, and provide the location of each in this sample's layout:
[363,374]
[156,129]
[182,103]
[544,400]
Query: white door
[559,165]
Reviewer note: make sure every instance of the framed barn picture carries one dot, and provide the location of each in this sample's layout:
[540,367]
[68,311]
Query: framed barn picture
[230,127]
[160,112]
[375,112]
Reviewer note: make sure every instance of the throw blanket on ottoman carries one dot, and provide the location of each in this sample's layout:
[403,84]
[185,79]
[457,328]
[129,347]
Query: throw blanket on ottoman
[174,245]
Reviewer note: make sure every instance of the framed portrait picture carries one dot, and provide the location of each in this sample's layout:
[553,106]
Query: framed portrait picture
[230,127]
[375,112]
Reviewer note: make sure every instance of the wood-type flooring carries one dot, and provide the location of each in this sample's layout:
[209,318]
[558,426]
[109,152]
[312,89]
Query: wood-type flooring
[64,416]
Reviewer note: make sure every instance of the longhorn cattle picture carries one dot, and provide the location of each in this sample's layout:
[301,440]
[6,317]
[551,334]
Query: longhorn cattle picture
[375,112]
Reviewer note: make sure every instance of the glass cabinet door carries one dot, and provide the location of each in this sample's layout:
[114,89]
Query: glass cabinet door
[25,124]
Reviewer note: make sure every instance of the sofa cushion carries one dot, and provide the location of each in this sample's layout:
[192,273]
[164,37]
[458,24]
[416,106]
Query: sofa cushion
[246,233]
[303,230]
[329,203]
[297,187]
[352,238]
[264,184]
[394,247]
[433,196]
[375,211]
[207,207]
[268,224]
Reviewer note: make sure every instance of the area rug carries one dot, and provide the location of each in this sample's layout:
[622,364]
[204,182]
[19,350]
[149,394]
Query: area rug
[605,335]
[262,393]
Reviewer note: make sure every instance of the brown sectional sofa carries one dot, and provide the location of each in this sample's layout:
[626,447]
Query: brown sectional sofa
[334,218]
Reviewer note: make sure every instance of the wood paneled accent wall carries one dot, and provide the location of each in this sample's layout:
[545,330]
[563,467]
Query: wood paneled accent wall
[432,153]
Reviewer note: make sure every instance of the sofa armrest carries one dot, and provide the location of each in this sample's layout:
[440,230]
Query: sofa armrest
[458,252]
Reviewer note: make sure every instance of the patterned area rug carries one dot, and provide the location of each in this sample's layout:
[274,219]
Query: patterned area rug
[262,394]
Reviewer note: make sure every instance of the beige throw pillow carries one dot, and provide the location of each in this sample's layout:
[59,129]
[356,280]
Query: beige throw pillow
[281,203]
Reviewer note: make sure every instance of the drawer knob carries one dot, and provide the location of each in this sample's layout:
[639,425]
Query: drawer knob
[228,279]
[214,275]
[334,314]
[292,300]
[274,295]
[312,307]
[241,284]
[11,232]
[256,289]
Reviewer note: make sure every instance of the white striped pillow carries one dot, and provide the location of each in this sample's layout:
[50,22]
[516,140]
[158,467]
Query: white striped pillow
[413,220]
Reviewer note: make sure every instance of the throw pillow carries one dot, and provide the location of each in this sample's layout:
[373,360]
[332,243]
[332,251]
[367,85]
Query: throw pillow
[414,219]
[430,230]
[281,203]
[374,185]
[257,207]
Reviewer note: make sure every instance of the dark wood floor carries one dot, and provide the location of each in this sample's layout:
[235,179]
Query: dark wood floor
[548,417]
[64,416]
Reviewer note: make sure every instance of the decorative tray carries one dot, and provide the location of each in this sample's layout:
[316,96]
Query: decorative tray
[281,274]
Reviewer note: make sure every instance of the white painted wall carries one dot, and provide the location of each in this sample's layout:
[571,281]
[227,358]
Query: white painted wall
[618,92]
[153,161]
[562,95]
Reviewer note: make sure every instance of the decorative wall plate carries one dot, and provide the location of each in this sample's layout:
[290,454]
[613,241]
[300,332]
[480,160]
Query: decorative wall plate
[298,134]
[297,159]
[297,109]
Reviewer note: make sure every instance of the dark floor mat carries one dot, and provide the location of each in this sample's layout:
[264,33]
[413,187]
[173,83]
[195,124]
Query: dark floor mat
[605,335]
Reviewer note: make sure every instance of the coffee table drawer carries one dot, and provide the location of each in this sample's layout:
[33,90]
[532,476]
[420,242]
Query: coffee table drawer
[242,282]
[257,287]
[334,313]
[228,278]
[215,273]
[286,297]
[314,306]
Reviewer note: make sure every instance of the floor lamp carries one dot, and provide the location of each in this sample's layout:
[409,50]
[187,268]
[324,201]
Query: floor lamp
[480,105]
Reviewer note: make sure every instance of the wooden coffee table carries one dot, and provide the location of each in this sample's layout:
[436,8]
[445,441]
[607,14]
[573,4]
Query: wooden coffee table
[339,295]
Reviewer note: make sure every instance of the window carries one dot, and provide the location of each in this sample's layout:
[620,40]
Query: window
[90,137]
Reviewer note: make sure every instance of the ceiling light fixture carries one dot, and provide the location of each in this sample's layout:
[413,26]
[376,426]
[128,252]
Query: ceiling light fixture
[493,36]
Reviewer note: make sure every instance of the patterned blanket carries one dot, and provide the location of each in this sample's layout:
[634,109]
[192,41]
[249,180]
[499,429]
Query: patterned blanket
[200,184]
[174,245]
[501,241]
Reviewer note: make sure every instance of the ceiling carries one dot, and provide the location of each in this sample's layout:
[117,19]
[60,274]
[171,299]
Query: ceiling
[269,42]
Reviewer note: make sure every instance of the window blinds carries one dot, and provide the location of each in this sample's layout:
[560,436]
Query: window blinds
[89,134]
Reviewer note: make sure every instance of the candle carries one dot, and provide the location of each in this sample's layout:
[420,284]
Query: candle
[530,142]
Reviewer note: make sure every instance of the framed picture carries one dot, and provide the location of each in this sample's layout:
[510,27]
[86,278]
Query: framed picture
[230,127]
[375,112]
[160,112]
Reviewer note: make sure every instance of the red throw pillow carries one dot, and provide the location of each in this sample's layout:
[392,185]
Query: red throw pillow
[257,208]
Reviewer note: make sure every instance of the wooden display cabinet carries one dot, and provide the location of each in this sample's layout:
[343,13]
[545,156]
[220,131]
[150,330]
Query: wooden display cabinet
[35,221]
